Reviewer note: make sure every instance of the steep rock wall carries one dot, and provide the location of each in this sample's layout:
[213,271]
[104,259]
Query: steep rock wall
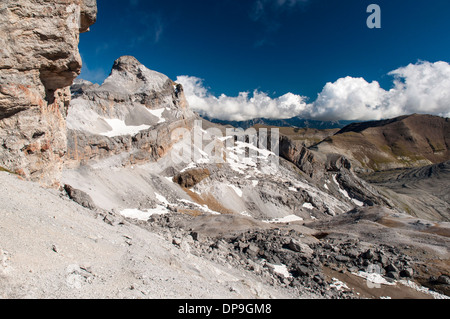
[39,59]
[147,106]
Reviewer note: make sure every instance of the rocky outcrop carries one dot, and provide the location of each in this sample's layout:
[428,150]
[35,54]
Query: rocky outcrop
[39,61]
[423,192]
[192,177]
[80,197]
[299,155]
[331,167]
[132,114]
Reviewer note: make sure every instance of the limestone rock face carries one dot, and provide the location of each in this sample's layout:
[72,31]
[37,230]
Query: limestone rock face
[39,60]
[132,114]
[302,157]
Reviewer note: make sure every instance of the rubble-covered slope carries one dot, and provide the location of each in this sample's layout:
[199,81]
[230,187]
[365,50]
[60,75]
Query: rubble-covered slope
[52,248]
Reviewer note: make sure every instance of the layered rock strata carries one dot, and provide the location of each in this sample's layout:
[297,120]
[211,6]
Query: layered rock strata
[39,61]
[132,114]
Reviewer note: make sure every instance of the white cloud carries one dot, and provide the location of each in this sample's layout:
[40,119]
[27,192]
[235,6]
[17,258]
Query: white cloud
[350,99]
[418,88]
[423,87]
[243,107]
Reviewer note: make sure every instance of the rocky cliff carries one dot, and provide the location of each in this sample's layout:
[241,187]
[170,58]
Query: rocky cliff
[132,114]
[39,61]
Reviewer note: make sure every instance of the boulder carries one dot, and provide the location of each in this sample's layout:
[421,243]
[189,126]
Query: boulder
[407,273]
[444,279]
[302,248]
[80,197]
[191,177]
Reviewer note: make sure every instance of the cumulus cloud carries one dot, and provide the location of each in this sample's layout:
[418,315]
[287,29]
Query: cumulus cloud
[243,107]
[423,88]
[350,99]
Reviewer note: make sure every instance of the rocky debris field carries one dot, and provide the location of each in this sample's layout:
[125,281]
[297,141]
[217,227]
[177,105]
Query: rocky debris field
[63,250]
[302,259]
[53,248]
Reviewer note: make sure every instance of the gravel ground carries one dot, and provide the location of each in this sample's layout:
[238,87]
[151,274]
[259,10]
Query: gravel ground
[51,247]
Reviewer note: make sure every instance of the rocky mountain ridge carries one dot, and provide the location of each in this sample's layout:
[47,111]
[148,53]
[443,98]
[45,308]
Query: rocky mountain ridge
[407,141]
[133,94]
[133,112]
[160,203]
[295,122]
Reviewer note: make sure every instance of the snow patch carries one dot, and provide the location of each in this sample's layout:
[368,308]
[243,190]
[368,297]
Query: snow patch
[119,128]
[162,199]
[357,202]
[308,206]
[374,278]
[143,215]
[281,270]
[158,113]
[413,285]
[338,285]
[236,189]
[247,214]
[284,220]
[169,179]
[204,208]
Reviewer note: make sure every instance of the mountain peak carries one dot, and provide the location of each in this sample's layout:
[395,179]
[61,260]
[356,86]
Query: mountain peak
[127,63]
[128,75]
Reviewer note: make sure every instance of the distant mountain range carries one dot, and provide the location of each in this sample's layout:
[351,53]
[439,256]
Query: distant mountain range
[292,122]
[406,141]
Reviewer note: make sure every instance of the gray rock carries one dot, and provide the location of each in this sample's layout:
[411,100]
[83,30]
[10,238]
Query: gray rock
[176,241]
[342,258]
[303,271]
[384,261]
[391,268]
[407,273]
[444,279]
[369,255]
[352,253]
[253,249]
[197,236]
[36,73]
[302,248]
[392,275]
[133,93]
[80,197]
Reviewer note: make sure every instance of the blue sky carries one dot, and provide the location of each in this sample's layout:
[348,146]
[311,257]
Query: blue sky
[273,46]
